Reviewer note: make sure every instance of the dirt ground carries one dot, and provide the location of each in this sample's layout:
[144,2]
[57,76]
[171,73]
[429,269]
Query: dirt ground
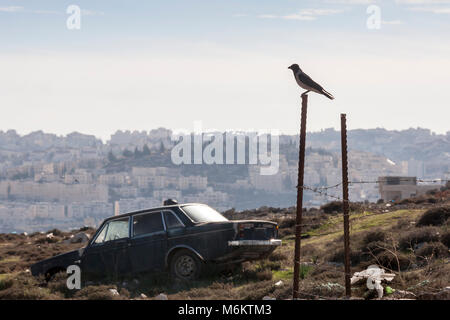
[410,238]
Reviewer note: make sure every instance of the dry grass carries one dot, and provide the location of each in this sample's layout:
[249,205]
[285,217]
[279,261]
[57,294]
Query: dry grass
[417,255]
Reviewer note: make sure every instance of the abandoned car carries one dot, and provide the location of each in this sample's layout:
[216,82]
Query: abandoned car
[179,238]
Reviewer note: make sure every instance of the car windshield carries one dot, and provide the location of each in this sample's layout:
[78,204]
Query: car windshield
[199,213]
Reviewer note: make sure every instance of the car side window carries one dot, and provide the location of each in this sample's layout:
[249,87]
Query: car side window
[147,223]
[171,220]
[113,230]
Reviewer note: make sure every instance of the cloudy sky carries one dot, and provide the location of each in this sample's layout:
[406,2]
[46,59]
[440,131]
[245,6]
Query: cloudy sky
[138,66]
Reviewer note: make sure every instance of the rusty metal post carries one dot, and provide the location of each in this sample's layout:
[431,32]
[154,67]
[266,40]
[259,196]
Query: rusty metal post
[345,204]
[298,220]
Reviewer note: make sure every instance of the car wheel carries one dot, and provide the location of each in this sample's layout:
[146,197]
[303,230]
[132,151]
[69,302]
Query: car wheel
[185,265]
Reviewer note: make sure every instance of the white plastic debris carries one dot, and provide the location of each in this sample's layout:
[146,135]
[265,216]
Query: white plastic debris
[114,292]
[268,298]
[50,235]
[279,283]
[374,276]
[161,296]
[143,296]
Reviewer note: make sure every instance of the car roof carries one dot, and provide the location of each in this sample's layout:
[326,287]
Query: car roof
[123,215]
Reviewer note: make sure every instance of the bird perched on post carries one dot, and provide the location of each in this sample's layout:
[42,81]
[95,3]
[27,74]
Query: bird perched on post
[305,82]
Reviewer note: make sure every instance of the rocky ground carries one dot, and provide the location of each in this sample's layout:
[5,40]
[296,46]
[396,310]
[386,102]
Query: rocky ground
[409,239]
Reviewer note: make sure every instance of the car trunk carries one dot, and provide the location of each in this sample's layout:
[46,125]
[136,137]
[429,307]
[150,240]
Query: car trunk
[255,230]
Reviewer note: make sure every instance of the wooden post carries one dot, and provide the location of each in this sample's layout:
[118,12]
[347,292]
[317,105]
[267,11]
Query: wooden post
[298,220]
[345,205]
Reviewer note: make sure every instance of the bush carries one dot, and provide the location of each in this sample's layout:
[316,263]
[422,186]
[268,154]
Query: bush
[445,239]
[434,249]
[287,223]
[414,237]
[374,236]
[332,207]
[5,284]
[100,292]
[389,261]
[434,217]
[258,290]
[338,256]
[277,256]
[56,232]
[373,248]
[336,207]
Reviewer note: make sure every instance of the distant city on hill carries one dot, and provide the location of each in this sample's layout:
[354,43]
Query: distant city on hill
[49,181]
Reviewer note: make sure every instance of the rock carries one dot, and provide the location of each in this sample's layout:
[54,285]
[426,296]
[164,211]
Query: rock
[279,283]
[161,296]
[441,295]
[335,264]
[114,292]
[80,237]
[268,298]
[143,296]
[403,294]
[331,286]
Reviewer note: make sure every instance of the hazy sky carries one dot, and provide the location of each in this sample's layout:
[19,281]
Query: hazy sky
[139,65]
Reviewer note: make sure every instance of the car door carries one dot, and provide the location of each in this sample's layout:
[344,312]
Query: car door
[148,243]
[108,252]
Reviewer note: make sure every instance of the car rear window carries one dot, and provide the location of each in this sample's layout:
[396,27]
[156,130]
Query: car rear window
[200,213]
[147,223]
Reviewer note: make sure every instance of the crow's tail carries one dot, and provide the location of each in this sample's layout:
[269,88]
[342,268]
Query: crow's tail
[327,94]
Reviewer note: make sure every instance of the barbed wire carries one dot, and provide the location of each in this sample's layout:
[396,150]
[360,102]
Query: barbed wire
[322,189]
[381,181]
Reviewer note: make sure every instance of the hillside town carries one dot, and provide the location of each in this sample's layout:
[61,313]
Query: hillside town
[49,181]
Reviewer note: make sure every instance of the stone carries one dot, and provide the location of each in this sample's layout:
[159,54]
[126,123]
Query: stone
[80,237]
[161,296]
[114,292]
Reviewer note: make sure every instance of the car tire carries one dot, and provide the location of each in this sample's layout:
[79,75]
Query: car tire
[185,265]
